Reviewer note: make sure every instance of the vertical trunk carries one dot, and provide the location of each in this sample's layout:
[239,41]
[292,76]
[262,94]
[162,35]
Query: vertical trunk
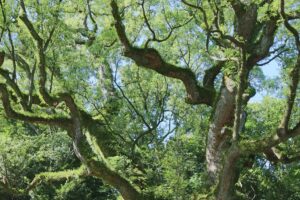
[221,154]
[229,175]
[219,134]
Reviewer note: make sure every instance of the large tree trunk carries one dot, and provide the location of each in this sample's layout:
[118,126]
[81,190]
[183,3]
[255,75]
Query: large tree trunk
[229,175]
[222,154]
[219,134]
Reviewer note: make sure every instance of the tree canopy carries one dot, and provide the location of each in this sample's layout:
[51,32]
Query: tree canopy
[149,99]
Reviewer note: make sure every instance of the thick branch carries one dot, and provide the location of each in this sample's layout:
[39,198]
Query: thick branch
[274,155]
[57,176]
[127,190]
[254,146]
[151,59]
[2,56]
[211,74]
[5,74]
[10,112]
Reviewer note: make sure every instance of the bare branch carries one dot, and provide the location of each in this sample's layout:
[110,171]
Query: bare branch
[273,58]
[12,54]
[133,107]
[202,11]
[90,13]
[154,37]
[4,20]
[21,63]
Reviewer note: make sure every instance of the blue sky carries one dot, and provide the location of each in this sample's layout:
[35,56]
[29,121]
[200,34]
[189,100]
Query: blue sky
[270,70]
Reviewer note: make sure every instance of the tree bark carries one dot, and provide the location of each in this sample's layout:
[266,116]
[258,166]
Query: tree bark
[229,175]
[219,133]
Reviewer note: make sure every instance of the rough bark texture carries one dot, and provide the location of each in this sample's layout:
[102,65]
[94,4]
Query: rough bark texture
[219,133]
[229,175]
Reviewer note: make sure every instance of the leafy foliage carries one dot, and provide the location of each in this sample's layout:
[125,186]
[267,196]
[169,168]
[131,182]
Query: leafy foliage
[146,99]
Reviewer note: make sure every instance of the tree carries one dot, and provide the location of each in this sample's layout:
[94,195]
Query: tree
[63,67]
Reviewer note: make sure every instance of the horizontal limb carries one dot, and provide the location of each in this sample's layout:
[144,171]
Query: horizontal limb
[57,176]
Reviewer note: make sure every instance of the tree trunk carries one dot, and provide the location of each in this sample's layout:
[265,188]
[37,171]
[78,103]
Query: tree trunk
[229,175]
[222,154]
[219,133]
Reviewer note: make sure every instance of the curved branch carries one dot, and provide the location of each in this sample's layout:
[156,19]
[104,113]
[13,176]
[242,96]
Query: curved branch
[147,21]
[292,29]
[103,171]
[211,74]
[202,11]
[151,59]
[271,59]
[254,146]
[11,113]
[5,74]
